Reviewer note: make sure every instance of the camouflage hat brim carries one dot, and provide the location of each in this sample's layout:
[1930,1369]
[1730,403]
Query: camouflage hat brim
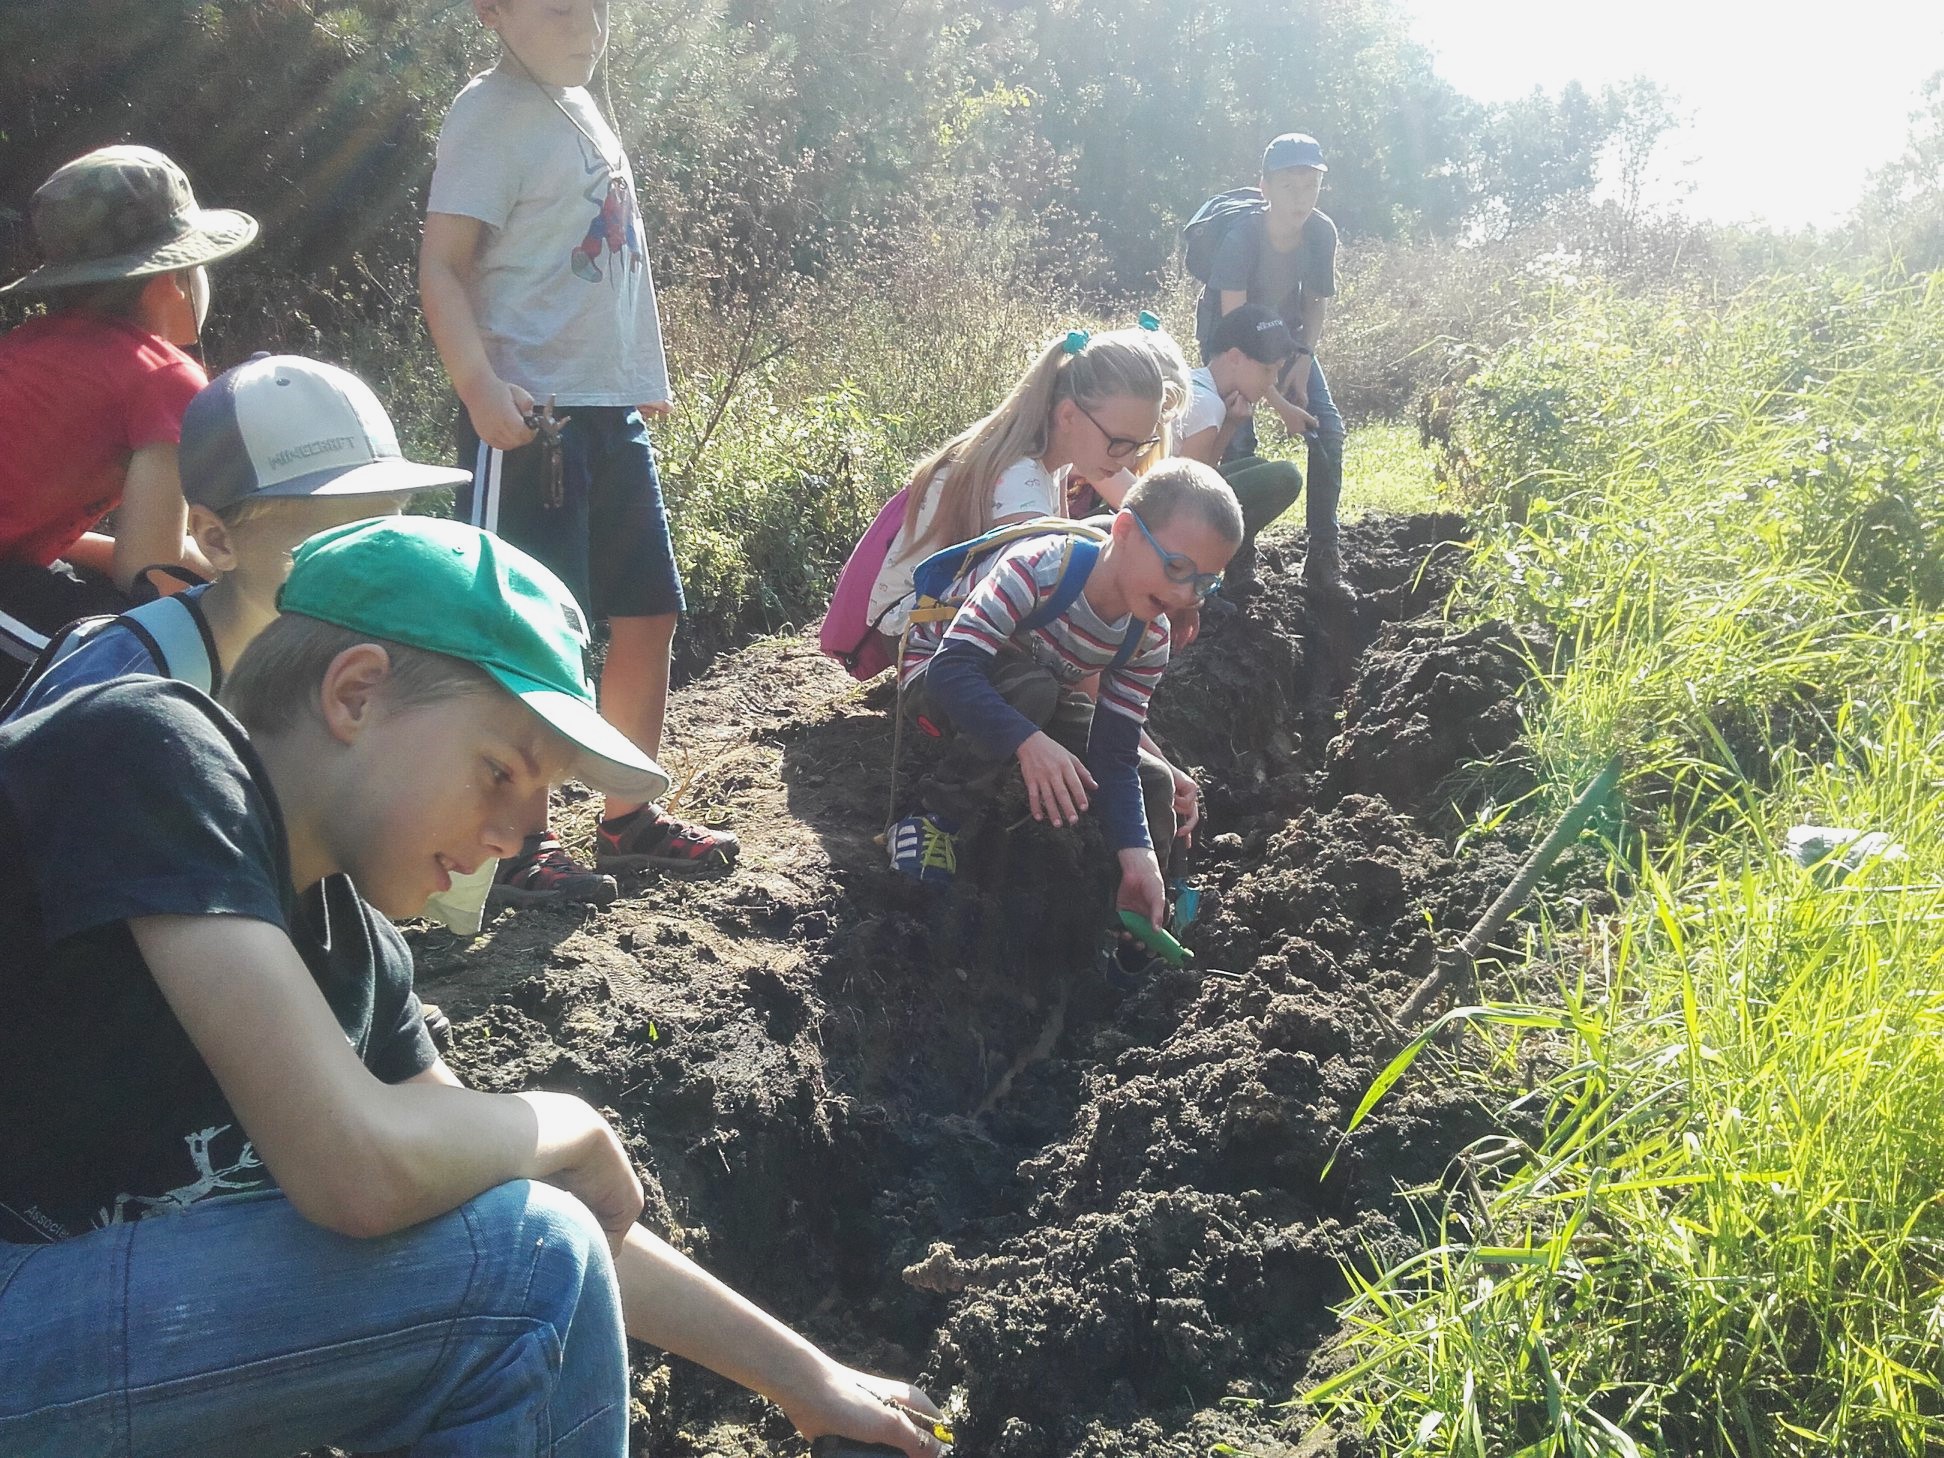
[207,234]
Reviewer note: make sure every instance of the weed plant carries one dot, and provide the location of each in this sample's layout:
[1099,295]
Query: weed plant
[1726,1235]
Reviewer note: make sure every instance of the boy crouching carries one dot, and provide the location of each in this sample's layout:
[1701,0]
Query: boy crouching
[999,690]
[205,1014]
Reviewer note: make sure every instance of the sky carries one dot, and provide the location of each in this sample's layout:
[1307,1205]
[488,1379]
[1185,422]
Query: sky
[1788,105]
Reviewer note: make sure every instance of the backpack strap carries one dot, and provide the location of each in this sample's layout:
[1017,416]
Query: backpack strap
[53,649]
[1075,566]
[175,634]
[1130,645]
[1082,554]
[170,629]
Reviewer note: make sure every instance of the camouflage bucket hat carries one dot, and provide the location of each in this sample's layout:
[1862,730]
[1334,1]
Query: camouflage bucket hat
[125,212]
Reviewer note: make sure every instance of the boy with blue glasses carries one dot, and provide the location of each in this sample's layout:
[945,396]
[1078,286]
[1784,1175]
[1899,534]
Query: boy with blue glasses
[1002,687]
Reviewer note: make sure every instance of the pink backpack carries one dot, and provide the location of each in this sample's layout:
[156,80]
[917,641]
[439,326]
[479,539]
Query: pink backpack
[848,634]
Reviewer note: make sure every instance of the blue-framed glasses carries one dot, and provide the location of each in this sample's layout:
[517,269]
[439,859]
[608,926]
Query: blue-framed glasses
[1179,566]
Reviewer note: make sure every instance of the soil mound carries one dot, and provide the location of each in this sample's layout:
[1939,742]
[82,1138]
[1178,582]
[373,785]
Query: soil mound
[925,1127]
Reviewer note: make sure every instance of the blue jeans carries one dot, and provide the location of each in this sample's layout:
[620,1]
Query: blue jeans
[1325,454]
[242,1329]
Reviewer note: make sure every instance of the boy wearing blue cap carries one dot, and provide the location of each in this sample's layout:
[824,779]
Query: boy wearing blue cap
[207,1016]
[1283,258]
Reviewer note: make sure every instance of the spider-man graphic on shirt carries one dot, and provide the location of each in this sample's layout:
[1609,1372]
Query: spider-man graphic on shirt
[616,231]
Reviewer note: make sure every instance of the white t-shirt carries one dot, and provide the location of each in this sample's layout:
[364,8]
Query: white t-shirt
[1205,409]
[561,290]
[1025,488]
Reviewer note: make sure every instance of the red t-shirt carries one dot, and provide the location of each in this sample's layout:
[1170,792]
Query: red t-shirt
[79,395]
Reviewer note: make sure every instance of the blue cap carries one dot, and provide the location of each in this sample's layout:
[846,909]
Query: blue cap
[1293,149]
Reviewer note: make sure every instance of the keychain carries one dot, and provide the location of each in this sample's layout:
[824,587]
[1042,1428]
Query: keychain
[553,463]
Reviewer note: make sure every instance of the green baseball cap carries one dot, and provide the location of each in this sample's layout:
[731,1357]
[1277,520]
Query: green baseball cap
[125,212]
[450,588]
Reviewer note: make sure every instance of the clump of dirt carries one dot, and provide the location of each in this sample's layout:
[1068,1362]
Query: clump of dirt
[925,1128]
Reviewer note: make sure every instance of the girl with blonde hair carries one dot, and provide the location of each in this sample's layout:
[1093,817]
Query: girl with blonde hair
[1094,406]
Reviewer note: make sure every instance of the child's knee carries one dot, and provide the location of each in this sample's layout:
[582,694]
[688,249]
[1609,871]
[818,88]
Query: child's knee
[550,1230]
[1157,800]
[1033,691]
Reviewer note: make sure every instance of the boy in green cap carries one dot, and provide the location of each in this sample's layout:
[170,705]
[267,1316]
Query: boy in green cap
[207,1015]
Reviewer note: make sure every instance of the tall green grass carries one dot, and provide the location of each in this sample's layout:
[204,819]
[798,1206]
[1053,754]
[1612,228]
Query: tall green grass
[1712,1224]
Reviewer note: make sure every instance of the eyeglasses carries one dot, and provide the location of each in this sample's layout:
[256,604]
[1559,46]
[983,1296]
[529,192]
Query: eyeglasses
[1119,447]
[1179,566]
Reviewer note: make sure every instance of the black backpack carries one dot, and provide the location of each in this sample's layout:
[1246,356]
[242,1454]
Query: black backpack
[1202,235]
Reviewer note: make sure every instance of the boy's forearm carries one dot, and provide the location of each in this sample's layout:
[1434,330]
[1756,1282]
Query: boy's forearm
[151,526]
[432,1147]
[670,1302]
[1315,310]
[1113,758]
[454,329]
[959,679]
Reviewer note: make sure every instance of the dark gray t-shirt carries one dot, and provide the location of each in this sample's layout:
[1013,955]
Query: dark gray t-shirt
[1278,281]
[142,798]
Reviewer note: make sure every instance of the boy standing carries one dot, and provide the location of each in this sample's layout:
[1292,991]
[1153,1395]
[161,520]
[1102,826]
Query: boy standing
[1284,259]
[1000,691]
[93,391]
[536,287]
[206,1016]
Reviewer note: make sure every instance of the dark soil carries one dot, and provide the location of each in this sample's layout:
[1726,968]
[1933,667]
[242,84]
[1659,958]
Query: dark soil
[927,1130]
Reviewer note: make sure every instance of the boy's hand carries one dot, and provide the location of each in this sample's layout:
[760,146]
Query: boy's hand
[587,1161]
[1187,805]
[1141,890]
[1114,489]
[1298,421]
[498,412]
[657,409]
[1185,626]
[1240,407]
[854,1404]
[1056,781]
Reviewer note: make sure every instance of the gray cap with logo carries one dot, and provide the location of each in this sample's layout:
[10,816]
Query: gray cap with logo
[279,425]
[125,212]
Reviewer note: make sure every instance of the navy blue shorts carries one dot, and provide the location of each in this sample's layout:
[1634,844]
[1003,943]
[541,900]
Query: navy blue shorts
[608,539]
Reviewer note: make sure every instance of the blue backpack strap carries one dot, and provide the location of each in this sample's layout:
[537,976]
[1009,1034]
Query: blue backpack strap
[1130,645]
[1081,554]
[174,633]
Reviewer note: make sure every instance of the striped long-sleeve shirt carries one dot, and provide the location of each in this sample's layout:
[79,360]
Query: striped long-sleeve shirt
[1003,591]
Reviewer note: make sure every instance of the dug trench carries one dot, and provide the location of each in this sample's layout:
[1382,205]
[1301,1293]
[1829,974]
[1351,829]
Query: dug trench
[927,1130]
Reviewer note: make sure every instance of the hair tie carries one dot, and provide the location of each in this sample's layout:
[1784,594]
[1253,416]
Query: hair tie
[1149,320]
[1076,340]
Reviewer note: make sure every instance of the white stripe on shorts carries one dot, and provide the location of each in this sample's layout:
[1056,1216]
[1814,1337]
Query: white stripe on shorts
[488,467]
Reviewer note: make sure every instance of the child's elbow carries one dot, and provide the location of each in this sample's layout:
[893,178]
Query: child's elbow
[360,1208]
[363,1191]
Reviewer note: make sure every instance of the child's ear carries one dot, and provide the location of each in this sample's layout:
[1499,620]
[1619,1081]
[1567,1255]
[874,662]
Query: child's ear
[209,533]
[350,690]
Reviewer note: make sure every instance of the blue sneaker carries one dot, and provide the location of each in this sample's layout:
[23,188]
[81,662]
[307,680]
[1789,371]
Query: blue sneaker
[924,849]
